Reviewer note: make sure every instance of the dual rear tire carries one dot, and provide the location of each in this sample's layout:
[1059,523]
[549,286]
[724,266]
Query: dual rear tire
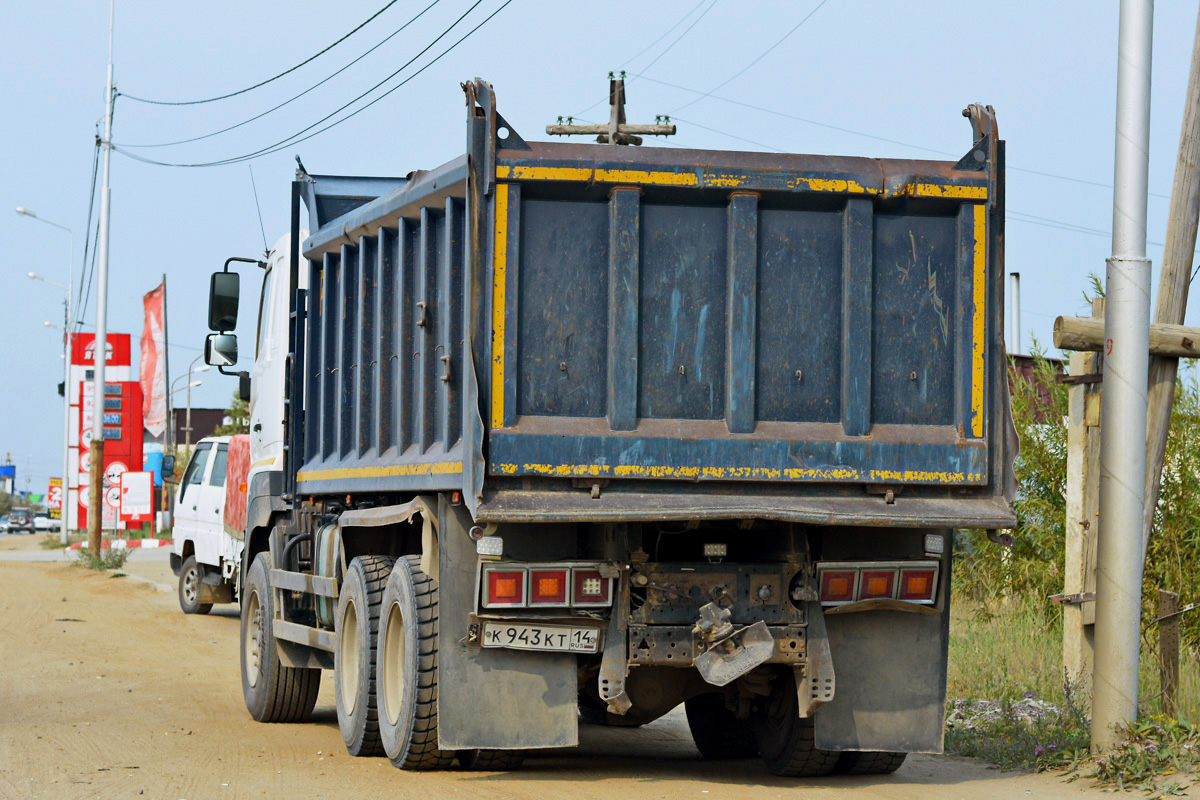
[776,732]
[387,661]
[354,660]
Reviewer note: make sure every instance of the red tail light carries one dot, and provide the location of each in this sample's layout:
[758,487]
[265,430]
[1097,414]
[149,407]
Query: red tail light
[505,588]
[547,587]
[843,582]
[877,584]
[918,584]
[838,586]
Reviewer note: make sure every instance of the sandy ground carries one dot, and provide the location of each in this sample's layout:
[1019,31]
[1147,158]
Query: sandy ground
[110,691]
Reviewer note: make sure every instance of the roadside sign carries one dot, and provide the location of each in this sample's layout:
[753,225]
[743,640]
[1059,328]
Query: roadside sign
[112,496]
[54,498]
[85,437]
[136,492]
[113,472]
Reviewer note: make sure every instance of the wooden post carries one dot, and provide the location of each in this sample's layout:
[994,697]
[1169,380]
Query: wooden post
[1082,523]
[1168,651]
[1166,341]
[1173,286]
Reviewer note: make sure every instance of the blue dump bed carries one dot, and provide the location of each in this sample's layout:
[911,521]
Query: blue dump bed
[576,331]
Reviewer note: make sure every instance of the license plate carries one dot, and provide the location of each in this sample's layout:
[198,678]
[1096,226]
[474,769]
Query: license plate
[552,638]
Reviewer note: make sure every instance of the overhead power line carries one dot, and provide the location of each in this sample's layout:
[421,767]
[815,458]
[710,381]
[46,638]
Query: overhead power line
[760,57]
[865,135]
[1017,216]
[686,31]
[664,35]
[84,280]
[293,98]
[298,137]
[268,80]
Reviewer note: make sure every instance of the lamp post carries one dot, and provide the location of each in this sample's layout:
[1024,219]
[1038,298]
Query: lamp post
[187,428]
[66,491]
[171,402]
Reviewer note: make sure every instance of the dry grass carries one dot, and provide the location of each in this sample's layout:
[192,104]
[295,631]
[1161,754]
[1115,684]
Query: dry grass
[1006,650]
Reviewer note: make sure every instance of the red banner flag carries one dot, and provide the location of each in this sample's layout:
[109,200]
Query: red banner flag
[154,362]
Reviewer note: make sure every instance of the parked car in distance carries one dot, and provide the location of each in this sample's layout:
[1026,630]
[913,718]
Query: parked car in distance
[20,520]
[4,524]
[42,521]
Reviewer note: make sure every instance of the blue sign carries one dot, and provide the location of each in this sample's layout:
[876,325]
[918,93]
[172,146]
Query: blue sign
[153,463]
[112,404]
[112,419]
[8,471]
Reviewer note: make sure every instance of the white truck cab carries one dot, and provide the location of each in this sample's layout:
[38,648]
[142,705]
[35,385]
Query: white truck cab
[267,374]
[204,556]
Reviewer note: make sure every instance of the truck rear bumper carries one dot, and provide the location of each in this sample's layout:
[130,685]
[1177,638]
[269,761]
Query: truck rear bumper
[514,505]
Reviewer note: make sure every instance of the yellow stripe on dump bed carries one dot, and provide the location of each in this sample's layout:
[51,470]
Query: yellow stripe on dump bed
[393,471]
[978,318]
[499,295]
[596,175]
[726,180]
[949,191]
[739,473]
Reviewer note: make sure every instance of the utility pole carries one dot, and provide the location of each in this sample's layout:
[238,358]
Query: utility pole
[169,433]
[1173,287]
[616,131]
[100,359]
[1123,412]
[1014,299]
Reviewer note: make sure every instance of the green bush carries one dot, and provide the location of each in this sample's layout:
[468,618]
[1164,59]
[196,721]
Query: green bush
[1033,566]
[109,558]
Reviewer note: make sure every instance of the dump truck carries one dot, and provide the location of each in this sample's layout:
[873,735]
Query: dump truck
[594,431]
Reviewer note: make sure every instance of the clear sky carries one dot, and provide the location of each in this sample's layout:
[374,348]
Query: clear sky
[899,71]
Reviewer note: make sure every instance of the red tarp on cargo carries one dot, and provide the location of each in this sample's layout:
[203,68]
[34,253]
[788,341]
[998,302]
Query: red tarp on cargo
[238,472]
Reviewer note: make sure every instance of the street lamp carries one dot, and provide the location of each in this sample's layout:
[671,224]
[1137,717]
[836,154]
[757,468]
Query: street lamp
[170,440]
[187,430]
[65,489]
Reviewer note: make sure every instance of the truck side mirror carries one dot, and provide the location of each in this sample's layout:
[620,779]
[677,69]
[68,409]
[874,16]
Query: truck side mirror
[223,301]
[167,469]
[221,350]
[244,386]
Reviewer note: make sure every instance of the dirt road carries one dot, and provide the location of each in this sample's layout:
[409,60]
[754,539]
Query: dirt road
[110,691]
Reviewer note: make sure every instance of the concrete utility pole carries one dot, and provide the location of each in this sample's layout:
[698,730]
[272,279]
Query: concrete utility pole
[100,359]
[1123,412]
[1173,286]
[616,131]
[1014,299]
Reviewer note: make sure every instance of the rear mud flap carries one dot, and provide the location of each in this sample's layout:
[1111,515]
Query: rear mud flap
[816,682]
[493,698]
[891,676]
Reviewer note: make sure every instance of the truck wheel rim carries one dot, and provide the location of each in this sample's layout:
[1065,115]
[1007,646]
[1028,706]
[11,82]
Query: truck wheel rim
[189,586]
[394,649]
[253,639]
[348,652]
